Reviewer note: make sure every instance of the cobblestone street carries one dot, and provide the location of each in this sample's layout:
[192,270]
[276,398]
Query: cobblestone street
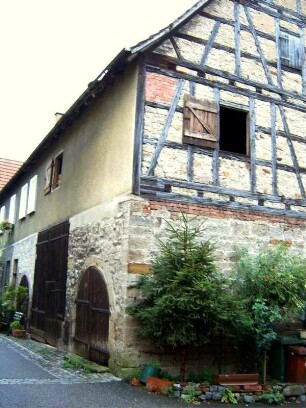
[51,360]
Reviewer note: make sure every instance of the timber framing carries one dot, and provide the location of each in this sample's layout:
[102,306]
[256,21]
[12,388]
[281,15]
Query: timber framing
[270,90]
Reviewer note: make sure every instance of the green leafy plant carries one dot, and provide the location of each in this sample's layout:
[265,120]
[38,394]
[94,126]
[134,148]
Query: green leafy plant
[271,288]
[6,226]
[229,397]
[273,398]
[16,325]
[203,376]
[72,362]
[153,364]
[186,301]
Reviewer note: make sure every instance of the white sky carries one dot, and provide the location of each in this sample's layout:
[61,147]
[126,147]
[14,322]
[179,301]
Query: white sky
[51,49]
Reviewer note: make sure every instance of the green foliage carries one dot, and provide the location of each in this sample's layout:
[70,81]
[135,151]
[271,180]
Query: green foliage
[190,397]
[203,376]
[72,362]
[16,325]
[273,398]
[185,300]
[13,299]
[153,364]
[228,397]
[271,287]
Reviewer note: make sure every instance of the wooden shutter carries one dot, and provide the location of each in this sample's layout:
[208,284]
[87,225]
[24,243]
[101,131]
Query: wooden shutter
[12,209]
[32,195]
[48,176]
[200,122]
[23,201]
[291,51]
[2,213]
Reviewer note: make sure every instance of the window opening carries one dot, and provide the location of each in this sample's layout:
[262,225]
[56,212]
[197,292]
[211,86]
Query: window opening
[233,130]
[58,166]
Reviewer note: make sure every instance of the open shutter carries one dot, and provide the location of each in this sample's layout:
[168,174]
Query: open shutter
[2,213]
[200,122]
[12,209]
[23,201]
[48,177]
[32,195]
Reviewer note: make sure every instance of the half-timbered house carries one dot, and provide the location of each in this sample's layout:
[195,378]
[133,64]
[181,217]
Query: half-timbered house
[208,117]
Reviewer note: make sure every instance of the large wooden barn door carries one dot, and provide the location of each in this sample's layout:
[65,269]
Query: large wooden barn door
[92,318]
[49,293]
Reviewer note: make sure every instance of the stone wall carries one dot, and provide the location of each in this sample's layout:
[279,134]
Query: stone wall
[25,252]
[99,238]
[227,229]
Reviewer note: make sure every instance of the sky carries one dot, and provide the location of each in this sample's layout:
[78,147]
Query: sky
[51,49]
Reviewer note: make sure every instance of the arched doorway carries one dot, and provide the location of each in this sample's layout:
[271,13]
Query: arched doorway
[92,317]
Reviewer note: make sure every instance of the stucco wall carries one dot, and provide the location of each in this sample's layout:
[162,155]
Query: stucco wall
[97,159]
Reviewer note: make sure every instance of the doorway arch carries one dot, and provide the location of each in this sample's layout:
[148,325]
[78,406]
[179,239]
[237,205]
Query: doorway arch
[92,317]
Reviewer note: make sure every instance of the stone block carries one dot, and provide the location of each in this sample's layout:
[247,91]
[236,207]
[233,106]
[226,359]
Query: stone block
[221,389]
[208,395]
[216,396]
[158,385]
[126,373]
[294,390]
[248,399]
[128,360]
[213,388]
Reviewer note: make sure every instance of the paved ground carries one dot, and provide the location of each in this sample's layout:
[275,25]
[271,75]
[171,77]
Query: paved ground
[31,376]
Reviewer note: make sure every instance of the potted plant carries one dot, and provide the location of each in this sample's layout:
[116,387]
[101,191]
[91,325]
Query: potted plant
[17,329]
[151,369]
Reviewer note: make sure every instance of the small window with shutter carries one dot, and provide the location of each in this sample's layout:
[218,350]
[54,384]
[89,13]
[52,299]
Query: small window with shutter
[291,51]
[206,125]
[200,122]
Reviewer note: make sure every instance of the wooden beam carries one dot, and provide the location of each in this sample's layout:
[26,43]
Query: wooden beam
[278,54]
[176,48]
[258,46]
[139,118]
[215,161]
[210,42]
[139,268]
[273,149]
[226,205]
[252,146]
[231,88]
[302,37]
[237,39]
[166,127]
[292,152]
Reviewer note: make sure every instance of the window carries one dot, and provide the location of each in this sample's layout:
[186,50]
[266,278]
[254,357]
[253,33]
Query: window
[291,51]
[32,195]
[7,271]
[23,201]
[12,214]
[203,118]
[53,173]
[233,130]
[57,171]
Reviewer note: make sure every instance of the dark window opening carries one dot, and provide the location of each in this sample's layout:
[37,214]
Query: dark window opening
[233,131]
[58,164]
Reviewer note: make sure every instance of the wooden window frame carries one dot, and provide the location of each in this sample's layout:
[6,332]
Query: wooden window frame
[57,171]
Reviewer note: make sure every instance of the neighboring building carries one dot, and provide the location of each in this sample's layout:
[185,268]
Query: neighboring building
[208,117]
[7,169]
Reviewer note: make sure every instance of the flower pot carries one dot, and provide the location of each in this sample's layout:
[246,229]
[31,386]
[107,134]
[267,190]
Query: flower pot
[148,371]
[18,333]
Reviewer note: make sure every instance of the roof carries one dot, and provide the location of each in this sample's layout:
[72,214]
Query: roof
[7,170]
[107,75]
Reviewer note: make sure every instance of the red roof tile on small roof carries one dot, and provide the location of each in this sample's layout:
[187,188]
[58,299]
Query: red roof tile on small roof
[7,169]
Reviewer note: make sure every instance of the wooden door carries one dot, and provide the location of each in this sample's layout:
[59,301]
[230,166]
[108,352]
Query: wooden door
[92,318]
[49,293]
